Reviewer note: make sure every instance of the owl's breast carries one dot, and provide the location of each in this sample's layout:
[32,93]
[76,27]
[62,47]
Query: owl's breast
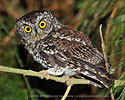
[38,54]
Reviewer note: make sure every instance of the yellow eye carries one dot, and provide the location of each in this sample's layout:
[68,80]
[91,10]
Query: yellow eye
[42,24]
[28,29]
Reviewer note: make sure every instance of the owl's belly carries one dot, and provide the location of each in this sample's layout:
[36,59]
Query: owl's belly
[51,69]
[69,72]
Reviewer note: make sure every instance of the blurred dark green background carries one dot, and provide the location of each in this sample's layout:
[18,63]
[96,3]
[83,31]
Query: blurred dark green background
[83,15]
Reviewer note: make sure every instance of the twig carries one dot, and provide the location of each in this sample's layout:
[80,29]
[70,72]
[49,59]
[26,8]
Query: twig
[39,74]
[67,92]
[106,62]
[73,81]
[112,96]
[103,48]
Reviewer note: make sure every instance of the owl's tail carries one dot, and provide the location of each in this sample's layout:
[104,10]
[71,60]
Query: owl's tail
[97,74]
[96,79]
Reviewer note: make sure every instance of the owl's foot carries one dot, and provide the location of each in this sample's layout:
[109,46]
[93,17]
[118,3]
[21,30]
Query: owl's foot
[45,74]
[68,81]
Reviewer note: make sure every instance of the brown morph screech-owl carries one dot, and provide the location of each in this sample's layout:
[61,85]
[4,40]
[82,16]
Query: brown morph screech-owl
[62,50]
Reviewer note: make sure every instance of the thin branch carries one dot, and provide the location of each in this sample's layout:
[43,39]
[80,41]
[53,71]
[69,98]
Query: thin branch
[67,92]
[103,48]
[73,81]
[112,96]
[105,57]
[39,74]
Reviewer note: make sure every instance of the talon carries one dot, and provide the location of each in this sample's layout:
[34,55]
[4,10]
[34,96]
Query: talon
[68,82]
[45,74]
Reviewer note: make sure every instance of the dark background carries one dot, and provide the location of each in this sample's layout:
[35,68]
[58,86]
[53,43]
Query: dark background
[83,15]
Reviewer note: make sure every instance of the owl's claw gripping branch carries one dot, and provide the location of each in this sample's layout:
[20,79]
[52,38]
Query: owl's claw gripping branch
[44,74]
[68,81]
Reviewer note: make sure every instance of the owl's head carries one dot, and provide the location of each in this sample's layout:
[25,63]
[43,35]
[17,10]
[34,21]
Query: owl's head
[36,25]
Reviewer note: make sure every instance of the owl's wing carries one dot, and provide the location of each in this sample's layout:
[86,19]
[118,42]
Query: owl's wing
[80,44]
[89,63]
[78,54]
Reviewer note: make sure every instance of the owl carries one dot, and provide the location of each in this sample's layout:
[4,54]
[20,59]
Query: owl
[62,50]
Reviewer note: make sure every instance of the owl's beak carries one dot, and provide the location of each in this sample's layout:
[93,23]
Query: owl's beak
[37,36]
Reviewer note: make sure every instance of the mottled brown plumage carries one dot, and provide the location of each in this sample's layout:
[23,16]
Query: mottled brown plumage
[62,50]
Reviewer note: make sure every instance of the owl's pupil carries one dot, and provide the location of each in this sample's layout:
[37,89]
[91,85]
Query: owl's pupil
[42,24]
[28,29]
